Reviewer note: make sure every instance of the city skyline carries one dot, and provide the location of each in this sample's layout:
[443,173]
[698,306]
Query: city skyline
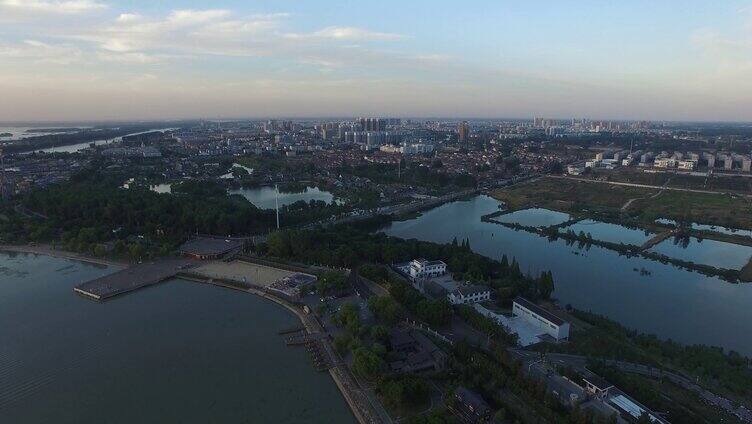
[90,60]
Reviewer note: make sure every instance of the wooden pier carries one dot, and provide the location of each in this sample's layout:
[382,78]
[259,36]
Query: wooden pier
[133,278]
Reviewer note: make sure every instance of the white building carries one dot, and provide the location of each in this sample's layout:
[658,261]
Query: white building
[469,294]
[421,268]
[665,163]
[687,165]
[549,323]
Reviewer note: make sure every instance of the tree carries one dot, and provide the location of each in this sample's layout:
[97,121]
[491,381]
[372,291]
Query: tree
[331,282]
[385,309]
[367,363]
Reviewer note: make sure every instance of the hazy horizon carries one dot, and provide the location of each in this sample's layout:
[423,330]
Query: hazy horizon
[98,60]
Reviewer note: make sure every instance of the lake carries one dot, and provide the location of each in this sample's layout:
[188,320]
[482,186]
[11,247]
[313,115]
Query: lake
[712,228]
[264,197]
[608,232]
[535,217]
[718,254]
[73,148]
[177,352]
[671,302]
[19,133]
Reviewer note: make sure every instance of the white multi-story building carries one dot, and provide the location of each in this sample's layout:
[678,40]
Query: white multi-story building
[665,163]
[421,268]
[469,294]
[546,321]
[687,165]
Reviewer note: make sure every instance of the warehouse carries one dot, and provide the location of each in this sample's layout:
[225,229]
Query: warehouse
[541,318]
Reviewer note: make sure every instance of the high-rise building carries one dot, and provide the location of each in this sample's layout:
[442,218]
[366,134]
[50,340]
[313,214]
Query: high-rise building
[463,130]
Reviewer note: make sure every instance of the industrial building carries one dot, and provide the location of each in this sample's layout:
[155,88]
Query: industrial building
[549,323]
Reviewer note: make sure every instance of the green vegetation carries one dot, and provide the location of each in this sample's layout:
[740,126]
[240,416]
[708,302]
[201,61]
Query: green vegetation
[86,213]
[91,214]
[569,195]
[351,246]
[604,201]
[683,406]
[411,174]
[727,372]
[332,282]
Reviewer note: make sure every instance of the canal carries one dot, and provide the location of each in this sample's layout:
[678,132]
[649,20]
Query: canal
[670,302]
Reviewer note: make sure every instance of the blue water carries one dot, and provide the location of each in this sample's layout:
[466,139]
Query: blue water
[535,217]
[718,254]
[610,232]
[178,352]
[672,303]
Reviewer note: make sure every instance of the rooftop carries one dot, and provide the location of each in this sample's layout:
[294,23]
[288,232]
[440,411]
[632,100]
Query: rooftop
[538,310]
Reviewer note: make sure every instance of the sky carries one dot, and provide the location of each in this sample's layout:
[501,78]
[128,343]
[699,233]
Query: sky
[73,60]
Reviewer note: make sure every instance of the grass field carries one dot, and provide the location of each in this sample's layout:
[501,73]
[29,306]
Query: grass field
[569,195]
[716,182]
[584,198]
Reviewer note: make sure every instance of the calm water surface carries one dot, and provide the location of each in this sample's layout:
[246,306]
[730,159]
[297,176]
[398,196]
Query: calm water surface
[179,352]
[535,217]
[671,303]
[264,197]
[613,233]
[715,253]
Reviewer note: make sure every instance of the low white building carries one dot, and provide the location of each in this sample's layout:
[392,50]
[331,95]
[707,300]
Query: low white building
[546,321]
[421,268]
[469,294]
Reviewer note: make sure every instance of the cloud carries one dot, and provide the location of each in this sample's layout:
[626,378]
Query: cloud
[347,34]
[41,6]
[36,51]
[195,17]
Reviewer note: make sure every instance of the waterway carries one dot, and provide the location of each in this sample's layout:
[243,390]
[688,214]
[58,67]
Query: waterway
[535,217]
[715,253]
[265,197]
[612,233]
[670,302]
[177,352]
[73,148]
[19,133]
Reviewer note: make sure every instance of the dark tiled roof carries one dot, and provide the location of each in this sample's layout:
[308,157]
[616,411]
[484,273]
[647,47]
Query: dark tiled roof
[538,310]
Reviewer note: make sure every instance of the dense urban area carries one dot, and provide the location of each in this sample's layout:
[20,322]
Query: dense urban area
[412,330]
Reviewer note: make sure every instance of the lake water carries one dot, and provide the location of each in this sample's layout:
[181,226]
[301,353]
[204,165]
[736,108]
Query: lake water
[264,197]
[19,133]
[718,254]
[230,175]
[535,217]
[610,232]
[73,148]
[713,228]
[177,352]
[672,303]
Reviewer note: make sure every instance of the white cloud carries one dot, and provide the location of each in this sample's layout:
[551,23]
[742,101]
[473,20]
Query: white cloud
[196,17]
[36,51]
[41,6]
[347,34]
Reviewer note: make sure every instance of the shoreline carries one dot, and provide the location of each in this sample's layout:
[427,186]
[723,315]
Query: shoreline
[47,250]
[339,376]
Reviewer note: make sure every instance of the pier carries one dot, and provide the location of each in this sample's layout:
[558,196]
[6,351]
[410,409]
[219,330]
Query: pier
[133,278]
